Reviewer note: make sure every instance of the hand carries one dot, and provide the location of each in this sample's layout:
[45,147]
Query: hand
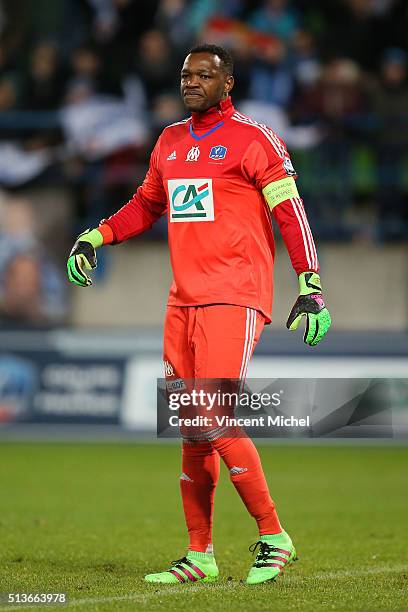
[82,257]
[310,304]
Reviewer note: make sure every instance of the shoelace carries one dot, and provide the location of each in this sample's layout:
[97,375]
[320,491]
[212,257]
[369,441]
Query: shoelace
[265,551]
[178,561]
[186,570]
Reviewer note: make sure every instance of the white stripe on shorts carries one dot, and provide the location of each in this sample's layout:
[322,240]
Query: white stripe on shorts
[250,329]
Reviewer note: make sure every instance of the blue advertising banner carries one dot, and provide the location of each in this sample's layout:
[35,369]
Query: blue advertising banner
[49,387]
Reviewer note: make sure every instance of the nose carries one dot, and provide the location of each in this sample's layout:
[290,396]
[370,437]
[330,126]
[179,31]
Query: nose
[191,81]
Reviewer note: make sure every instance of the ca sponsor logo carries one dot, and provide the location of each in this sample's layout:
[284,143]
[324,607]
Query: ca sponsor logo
[193,154]
[191,200]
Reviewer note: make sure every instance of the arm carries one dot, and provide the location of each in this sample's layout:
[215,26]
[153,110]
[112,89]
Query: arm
[287,209]
[147,205]
[267,164]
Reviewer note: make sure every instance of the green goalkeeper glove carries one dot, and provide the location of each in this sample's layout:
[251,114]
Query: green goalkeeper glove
[83,257]
[310,304]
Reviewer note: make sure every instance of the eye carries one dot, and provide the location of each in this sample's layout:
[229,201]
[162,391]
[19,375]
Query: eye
[205,76]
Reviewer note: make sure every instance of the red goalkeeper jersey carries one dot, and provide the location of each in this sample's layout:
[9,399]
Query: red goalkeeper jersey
[207,173]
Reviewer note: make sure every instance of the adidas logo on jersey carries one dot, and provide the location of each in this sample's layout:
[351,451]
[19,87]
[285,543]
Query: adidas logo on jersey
[172,156]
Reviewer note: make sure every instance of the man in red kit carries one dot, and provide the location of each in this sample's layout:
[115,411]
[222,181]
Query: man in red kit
[219,176]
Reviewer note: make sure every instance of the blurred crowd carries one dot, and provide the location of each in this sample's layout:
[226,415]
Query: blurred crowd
[32,289]
[86,86]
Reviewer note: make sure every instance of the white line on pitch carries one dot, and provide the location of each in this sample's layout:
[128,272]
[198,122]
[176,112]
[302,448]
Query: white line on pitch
[177,589]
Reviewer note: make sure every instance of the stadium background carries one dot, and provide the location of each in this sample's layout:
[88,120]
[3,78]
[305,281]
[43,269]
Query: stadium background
[85,88]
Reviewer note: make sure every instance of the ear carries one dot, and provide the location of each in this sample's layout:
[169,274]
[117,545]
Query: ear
[229,84]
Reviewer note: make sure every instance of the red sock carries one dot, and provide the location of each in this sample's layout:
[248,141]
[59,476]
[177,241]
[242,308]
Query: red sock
[246,473]
[200,473]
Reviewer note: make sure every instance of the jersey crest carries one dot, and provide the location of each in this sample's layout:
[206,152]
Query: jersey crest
[193,154]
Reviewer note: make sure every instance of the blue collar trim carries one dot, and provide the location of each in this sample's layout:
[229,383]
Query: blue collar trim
[194,135]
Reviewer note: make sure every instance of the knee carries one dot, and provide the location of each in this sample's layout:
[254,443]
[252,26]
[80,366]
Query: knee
[192,448]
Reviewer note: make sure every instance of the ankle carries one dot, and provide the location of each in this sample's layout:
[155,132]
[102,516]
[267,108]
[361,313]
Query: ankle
[274,537]
[200,556]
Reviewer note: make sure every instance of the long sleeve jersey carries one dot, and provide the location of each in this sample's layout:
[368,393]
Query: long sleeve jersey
[215,174]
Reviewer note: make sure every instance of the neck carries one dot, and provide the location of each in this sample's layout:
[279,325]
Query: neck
[212,116]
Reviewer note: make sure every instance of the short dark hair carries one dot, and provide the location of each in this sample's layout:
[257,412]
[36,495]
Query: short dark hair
[224,55]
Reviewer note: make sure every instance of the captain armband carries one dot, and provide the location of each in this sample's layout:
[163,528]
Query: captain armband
[279,191]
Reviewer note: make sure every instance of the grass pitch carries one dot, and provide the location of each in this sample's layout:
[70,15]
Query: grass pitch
[91,520]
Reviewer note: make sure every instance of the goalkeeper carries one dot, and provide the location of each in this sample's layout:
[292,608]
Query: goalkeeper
[220,176]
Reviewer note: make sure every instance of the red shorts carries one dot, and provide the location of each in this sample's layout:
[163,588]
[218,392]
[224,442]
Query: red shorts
[214,341]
